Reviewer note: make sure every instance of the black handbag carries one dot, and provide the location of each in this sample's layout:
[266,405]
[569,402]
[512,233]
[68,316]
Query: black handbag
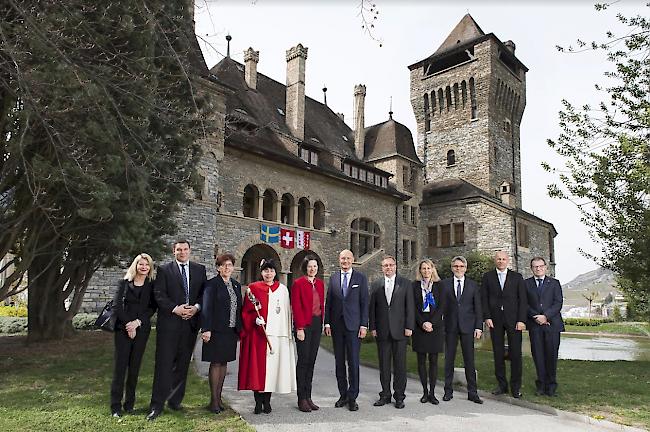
[107,317]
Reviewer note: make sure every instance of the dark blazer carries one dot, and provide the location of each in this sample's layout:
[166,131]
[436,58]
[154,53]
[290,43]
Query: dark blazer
[353,309]
[169,293]
[513,298]
[215,306]
[129,306]
[429,341]
[466,316]
[548,303]
[391,320]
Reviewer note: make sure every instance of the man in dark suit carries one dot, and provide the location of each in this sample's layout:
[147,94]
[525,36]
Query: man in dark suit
[346,320]
[544,325]
[178,290]
[464,321]
[392,317]
[505,303]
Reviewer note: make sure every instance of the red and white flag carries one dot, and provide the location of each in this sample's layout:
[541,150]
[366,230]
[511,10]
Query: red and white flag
[287,238]
[302,239]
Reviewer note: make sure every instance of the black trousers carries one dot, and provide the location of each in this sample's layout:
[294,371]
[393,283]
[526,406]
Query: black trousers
[467,347]
[514,348]
[347,346]
[392,355]
[544,345]
[428,374]
[128,358]
[173,354]
[307,351]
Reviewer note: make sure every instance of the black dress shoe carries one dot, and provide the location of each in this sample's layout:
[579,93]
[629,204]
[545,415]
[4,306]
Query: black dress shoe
[551,394]
[399,404]
[153,415]
[424,398]
[117,414]
[517,394]
[474,398]
[499,391]
[175,407]
[128,411]
[381,402]
[343,401]
[353,405]
[447,397]
[539,392]
[433,399]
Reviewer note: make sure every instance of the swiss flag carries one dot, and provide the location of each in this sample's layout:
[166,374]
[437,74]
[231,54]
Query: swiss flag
[302,239]
[287,238]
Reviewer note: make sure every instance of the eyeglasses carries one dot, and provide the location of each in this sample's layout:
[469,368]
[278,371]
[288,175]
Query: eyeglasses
[538,266]
[459,266]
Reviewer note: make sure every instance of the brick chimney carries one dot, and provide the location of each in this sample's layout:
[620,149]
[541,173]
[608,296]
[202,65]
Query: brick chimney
[251,58]
[359,119]
[295,106]
[507,194]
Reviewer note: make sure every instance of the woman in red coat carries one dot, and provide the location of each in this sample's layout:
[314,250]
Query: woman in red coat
[307,303]
[267,357]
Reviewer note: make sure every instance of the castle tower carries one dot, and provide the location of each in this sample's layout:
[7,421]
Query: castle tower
[468,98]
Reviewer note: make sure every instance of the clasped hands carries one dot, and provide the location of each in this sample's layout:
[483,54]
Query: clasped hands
[541,320]
[185,311]
[131,326]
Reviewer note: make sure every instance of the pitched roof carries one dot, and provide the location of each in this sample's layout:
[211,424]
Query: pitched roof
[466,30]
[453,190]
[387,139]
[260,113]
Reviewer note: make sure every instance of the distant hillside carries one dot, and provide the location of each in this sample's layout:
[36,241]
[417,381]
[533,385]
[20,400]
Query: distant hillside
[600,279]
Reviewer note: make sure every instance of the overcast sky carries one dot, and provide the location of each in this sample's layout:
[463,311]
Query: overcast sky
[341,55]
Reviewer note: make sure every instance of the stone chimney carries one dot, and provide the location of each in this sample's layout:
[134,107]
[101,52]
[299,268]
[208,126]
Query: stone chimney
[510,45]
[295,106]
[359,120]
[507,194]
[251,58]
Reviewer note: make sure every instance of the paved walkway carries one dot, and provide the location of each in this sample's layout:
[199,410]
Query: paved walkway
[459,414]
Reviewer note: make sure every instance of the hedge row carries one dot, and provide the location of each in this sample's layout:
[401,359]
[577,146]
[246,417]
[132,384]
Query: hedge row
[586,322]
[10,325]
[12,311]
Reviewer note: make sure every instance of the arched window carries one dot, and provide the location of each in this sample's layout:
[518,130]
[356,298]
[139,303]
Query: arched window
[456,96]
[448,95]
[270,205]
[427,115]
[441,100]
[251,201]
[303,210]
[286,212]
[451,158]
[319,215]
[365,237]
[472,97]
[463,91]
[433,103]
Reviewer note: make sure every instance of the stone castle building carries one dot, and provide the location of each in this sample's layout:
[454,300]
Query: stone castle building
[283,167]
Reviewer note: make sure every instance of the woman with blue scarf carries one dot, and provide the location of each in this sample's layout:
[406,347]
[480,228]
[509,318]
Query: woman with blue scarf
[429,333]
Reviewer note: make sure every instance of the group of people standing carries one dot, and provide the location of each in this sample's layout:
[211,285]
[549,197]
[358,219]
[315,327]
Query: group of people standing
[279,331]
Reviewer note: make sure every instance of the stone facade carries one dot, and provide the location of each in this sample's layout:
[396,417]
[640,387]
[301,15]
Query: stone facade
[282,159]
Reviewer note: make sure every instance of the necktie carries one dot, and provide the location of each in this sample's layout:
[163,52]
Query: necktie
[501,279]
[389,291]
[458,292]
[344,285]
[539,284]
[185,285]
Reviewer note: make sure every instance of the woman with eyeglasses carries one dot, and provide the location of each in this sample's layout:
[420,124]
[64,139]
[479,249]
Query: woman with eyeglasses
[220,326]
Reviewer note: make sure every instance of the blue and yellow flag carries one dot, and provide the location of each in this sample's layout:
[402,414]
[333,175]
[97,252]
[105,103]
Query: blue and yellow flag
[270,234]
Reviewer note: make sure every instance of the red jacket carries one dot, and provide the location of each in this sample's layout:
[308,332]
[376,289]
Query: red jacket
[302,301]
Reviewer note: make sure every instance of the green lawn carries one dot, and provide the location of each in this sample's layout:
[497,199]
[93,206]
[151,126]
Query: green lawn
[623,328]
[64,386]
[617,391]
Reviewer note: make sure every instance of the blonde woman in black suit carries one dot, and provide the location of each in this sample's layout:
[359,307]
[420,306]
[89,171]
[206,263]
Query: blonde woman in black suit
[134,305]
[429,333]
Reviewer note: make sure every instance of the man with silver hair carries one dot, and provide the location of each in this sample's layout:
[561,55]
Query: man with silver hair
[464,321]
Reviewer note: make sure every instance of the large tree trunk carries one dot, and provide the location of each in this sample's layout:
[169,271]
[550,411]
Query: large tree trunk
[47,317]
